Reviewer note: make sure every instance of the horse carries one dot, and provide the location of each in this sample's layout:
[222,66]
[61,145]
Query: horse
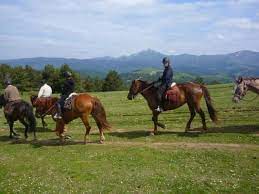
[22,111]
[82,106]
[190,93]
[44,106]
[243,85]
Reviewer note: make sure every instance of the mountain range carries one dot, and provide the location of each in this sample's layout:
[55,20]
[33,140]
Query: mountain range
[238,63]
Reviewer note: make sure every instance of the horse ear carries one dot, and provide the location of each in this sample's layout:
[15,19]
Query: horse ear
[239,80]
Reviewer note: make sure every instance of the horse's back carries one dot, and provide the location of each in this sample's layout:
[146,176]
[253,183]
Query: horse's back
[83,102]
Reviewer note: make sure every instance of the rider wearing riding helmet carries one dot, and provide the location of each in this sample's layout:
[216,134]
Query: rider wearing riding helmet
[11,93]
[166,82]
[67,89]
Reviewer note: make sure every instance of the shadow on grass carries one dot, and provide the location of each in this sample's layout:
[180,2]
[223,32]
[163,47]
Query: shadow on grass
[243,129]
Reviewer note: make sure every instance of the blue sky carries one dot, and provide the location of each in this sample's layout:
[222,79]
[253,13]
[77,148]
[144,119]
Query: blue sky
[95,28]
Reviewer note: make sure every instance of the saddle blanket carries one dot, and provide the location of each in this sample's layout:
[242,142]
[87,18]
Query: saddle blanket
[69,101]
[172,95]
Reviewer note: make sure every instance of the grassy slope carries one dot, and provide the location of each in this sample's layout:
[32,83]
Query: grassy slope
[131,161]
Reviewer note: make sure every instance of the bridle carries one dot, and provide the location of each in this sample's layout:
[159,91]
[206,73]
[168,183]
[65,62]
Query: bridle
[145,89]
[241,97]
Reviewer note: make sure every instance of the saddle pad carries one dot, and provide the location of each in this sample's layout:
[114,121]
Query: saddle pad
[69,101]
[173,95]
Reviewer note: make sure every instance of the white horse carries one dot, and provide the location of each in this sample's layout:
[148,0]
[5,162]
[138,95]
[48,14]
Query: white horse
[243,85]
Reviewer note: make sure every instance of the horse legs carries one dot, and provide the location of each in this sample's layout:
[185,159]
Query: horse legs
[11,128]
[202,115]
[85,120]
[102,138]
[26,128]
[192,111]
[44,124]
[155,121]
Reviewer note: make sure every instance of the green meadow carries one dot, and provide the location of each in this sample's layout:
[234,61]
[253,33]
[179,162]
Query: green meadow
[225,159]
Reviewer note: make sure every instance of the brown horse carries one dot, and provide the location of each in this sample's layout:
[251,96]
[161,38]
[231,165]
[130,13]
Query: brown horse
[82,106]
[44,106]
[190,93]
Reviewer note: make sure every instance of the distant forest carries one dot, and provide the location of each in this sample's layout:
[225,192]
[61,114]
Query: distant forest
[28,79]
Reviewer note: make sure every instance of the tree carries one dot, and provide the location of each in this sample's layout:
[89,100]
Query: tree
[112,82]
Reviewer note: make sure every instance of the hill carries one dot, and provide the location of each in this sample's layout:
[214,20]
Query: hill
[230,65]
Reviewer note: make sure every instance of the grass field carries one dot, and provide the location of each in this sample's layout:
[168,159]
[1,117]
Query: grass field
[223,160]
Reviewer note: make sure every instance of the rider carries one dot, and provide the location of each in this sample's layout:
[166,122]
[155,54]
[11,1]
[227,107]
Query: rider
[67,89]
[45,90]
[166,81]
[11,95]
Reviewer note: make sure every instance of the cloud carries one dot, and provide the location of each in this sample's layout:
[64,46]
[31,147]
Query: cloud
[85,29]
[242,23]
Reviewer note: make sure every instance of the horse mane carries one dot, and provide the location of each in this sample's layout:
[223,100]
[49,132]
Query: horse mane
[250,78]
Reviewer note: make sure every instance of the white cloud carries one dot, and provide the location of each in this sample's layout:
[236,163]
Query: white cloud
[116,27]
[242,23]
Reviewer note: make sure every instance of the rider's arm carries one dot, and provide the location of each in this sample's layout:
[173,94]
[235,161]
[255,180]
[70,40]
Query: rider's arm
[6,95]
[40,92]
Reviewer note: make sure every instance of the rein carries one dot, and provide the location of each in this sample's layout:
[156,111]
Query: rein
[148,87]
[43,115]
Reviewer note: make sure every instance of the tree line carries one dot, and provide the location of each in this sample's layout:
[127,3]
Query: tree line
[26,78]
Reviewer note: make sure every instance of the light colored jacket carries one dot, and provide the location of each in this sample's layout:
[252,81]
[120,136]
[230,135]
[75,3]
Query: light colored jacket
[45,91]
[11,93]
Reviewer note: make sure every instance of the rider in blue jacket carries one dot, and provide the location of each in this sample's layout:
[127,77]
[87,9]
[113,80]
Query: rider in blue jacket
[67,89]
[166,82]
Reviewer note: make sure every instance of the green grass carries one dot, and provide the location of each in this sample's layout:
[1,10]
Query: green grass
[223,160]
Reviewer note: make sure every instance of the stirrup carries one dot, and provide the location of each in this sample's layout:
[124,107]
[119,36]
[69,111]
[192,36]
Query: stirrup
[158,109]
[57,116]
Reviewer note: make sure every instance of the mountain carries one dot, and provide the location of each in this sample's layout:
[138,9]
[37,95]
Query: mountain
[238,63]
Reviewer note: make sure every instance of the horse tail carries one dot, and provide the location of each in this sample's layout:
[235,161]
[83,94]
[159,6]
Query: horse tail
[99,115]
[31,119]
[211,109]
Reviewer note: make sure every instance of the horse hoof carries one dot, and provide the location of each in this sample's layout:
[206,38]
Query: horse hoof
[151,133]
[101,142]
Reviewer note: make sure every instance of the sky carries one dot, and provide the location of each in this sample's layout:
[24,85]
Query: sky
[97,28]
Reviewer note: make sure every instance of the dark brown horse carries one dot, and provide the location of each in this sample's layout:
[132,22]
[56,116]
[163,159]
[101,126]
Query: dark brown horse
[21,111]
[82,106]
[44,106]
[190,93]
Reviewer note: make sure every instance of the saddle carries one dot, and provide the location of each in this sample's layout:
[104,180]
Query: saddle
[9,107]
[172,95]
[69,101]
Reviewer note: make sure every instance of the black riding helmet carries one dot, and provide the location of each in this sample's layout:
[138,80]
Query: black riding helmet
[166,60]
[8,82]
[67,74]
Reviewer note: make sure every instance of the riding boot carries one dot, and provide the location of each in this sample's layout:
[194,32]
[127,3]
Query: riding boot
[160,103]
[58,114]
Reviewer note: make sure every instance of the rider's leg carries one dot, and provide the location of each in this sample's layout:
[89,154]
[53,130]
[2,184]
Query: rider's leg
[160,93]
[58,114]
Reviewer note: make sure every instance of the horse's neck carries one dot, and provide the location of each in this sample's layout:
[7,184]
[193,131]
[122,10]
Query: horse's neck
[253,85]
[150,96]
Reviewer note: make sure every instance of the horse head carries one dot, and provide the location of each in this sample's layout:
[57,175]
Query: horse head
[33,99]
[2,101]
[136,87]
[240,89]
